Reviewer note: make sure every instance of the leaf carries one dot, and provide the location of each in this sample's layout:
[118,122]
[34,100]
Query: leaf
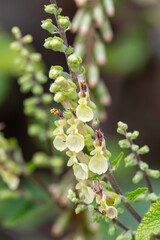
[150,224]
[115,163]
[133,195]
[70,50]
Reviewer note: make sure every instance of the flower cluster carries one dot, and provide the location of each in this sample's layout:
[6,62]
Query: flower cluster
[92,24]
[73,134]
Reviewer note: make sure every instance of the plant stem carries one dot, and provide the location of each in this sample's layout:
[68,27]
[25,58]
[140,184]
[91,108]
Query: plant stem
[137,156]
[117,189]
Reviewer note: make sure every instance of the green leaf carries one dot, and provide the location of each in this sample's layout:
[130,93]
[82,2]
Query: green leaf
[150,224]
[115,163]
[133,195]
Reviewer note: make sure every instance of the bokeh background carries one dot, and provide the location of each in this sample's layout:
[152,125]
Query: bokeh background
[132,75]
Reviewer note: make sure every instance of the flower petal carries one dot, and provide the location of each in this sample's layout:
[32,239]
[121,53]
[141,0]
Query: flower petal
[75,142]
[89,194]
[80,170]
[84,113]
[60,142]
[98,164]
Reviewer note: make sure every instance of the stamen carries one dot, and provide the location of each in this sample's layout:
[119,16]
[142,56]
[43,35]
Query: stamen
[99,137]
[57,112]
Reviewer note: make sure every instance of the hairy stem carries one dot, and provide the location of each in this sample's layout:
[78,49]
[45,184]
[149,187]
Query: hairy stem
[117,189]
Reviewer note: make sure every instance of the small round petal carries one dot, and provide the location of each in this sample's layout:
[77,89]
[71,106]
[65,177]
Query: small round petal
[60,142]
[71,161]
[98,164]
[80,170]
[75,142]
[112,212]
[84,113]
[89,194]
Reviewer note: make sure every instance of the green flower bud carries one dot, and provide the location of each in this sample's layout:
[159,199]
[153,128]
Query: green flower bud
[143,150]
[122,125]
[72,84]
[135,134]
[15,46]
[80,208]
[59,97]
[152,197]
[41,78]
[55,44]
[137,177]
[80,48]
[34,130]
[75,200]
[61,81]
[40,159]
[106,31]
[112,229]
[54,88]
[93,75]
[143,166]
[35,57]
[85,23]
[26,87]
[16,32]
[100,52]
[98,15]
[74,62]
[55,72]
[50,9]
[64,22]
[47,25]
[134,147]
[24,79]
[124,143]
[153,173]
[67,114]
[109,7]
[81,196]
[40,114]
[37,89]
[91,208]
[71,194]
[70,93]
[76,22]
[120,211]
[88,140]
[27,39]
[46,98]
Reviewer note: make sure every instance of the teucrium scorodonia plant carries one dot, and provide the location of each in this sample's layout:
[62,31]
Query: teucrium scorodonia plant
[75,134]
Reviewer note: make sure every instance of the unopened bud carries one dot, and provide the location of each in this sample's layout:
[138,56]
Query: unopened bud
[153,173]
[143,166]
[106,31]
[27,39]
[124,143]
[50,9]
[47,25]
[16,32]
[137,178]
[76,22]
[85,24]
[64,22]
[143,150]
[59,97]
[55,71]
[108,4]
[134,147]
[80,3]
[100,53]
[55,44]
[93,75]
[98,15]
[74,62]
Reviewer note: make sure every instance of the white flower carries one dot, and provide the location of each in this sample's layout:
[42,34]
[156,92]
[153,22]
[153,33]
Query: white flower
[98,163]
[83,111]
[60,142]
[75,142]
[80,170]
[73,158]
[89,194]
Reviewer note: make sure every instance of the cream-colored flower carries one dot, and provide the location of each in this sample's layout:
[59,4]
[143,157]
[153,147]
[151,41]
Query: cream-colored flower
[89,194]
[80,170]
[83,111]
[73,158]
[98,163]
[60,127]
[112,212]
[75,142]
[60,142]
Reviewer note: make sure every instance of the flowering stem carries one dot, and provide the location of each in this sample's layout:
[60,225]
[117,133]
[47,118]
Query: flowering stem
[137,156]
[117,189]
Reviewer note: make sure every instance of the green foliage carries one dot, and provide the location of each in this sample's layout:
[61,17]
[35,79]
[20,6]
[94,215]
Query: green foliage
[115,163]
[131,196]
[150,224]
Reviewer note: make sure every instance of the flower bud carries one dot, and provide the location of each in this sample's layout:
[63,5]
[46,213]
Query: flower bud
[152,197]
[47,25]
[26,87]
[153,173]
[67,114]
[137,177]
[75,200]
[41,78]
[80,48]
[64,22]
[80,208]
[93,75]
[27,39]
[124,143]
[37,89]
[51,8]
[59,97]
[55,71]
[91,208]
[61,81]
[70,93]
[76,22]
[46,98]
[40,159]
[89,130]
[98,15]
[106,31]
[134,147]
[112,229]
[100,53]
[15,46]
[55,44]
[81,3]
[72,84]
[35,57]
[143,150]
[16,32]
[74,62]
[88,140]
[71,194]
[85,24]
[109,7]
[143,166]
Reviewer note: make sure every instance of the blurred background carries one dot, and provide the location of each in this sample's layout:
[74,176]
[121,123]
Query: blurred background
[132,75]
